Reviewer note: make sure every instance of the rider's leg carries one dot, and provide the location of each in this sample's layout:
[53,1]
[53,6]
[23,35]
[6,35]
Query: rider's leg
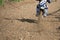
[45,12]
[37,10]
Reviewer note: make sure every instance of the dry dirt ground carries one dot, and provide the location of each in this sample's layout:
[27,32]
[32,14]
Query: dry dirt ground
[18,22]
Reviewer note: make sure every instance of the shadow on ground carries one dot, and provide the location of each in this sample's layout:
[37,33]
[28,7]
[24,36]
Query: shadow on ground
[27,20]
[23,20]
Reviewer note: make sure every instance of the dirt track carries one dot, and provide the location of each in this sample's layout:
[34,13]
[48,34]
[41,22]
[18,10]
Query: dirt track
[18,22]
